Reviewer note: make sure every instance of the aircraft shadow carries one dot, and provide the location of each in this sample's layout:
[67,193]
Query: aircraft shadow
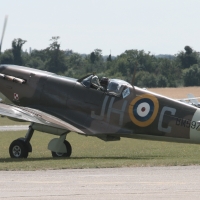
[2,160]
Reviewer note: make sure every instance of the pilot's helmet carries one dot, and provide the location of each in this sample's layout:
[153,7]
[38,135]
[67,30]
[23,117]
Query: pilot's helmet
[104,81]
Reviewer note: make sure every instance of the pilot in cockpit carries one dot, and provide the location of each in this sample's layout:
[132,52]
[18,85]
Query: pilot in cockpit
[95,82]
[104,83]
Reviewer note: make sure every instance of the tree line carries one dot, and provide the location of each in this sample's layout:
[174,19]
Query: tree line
[182,69]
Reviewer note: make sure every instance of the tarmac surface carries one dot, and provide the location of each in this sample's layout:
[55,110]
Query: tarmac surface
[14,128]
[116,183]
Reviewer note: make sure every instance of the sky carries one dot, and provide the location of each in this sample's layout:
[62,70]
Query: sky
[156,26]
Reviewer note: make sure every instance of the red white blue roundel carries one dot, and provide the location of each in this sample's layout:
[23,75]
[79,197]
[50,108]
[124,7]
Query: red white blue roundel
[143,110]
[16,96]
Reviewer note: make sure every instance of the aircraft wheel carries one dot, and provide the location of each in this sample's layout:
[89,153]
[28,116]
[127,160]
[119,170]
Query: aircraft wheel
[68,154]
[18,149]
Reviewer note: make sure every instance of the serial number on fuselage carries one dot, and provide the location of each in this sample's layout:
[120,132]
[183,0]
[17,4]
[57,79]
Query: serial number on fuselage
[186,123]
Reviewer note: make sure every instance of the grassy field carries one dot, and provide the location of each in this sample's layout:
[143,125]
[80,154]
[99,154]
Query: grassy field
[90,152]
[5,121]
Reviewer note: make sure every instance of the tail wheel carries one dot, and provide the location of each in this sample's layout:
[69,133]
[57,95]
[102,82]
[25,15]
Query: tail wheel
[68,154]
[18,149]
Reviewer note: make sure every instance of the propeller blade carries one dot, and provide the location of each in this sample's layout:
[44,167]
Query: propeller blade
[134,73]
[4,28]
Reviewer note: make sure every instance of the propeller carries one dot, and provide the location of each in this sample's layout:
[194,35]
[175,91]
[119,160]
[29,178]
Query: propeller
[135,62]
[134,73]
[4,28]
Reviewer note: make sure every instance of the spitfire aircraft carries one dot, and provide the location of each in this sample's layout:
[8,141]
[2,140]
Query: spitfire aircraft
[107,108]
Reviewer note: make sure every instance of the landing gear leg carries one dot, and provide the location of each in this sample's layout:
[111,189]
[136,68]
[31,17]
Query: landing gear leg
[21,147]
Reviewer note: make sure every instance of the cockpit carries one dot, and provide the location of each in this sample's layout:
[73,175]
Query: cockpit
[115,87]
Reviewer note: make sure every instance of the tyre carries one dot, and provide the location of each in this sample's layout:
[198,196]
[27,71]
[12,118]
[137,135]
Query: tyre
[18,149]
[68,154]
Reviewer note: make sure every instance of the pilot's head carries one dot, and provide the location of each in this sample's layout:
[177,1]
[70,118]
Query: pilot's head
[104,82]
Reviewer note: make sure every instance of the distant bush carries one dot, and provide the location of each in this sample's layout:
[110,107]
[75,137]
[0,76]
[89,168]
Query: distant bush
[191,76]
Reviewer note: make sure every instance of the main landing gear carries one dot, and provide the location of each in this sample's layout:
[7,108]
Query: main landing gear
[69,151]
[21,147]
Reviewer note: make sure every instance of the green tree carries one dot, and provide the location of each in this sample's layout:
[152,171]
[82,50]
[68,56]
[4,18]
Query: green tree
[145,79]
[162,81]
[96,56]
[92,57]
[191,76]
[56,58]
[109,58]
[7,57]
[169,69]
[16,50]
[187,58]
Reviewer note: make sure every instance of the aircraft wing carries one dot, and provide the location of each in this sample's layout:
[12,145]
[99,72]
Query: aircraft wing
[35,116]
[192,100]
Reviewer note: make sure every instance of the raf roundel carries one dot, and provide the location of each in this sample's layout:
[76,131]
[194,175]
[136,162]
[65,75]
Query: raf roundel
[143,110]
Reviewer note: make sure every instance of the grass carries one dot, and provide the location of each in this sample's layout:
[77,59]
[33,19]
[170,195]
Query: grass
[5,121]
[90,152]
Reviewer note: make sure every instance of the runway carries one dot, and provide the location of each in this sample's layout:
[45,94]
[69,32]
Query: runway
[117,183]
[14,128]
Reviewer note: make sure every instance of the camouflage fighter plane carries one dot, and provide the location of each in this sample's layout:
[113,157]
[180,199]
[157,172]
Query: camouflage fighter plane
[108,109]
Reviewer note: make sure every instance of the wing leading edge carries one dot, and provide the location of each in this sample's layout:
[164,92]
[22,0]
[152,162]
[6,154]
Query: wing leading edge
[35,116]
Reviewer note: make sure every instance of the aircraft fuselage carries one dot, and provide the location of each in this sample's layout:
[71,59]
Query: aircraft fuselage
[100,113]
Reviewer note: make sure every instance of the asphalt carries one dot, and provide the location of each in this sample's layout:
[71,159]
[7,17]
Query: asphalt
[14,128]
[116,183]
